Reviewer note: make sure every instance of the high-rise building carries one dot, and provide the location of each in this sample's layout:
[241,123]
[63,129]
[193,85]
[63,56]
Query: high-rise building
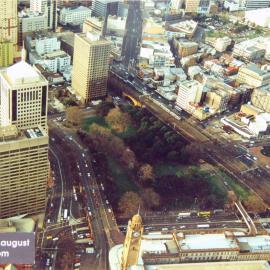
[133,33]
[90,66]
[24,170]
[101,7]
[8,26]
[6,53]
[24,93]
[197,6]
[48,8]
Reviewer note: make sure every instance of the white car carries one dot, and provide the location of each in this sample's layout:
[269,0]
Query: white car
[107,202]
[86,166]
[88,174]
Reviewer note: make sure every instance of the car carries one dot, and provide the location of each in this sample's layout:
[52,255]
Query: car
[107,202]
[48,262]
[109,210]
[83,155]
[88,174]
[48,221]
[55,238]
[225,183]
[80,174]
[86,166]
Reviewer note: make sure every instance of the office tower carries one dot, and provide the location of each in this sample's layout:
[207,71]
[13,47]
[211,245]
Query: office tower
[197,6]
[8,28]
[6,53]
[256,4]
[100,7]
[133,33]
[48,8]
[24,170]
[23,96]
[90,66]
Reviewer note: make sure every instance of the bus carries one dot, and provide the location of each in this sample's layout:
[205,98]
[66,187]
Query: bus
[203,226]
[65,214]
[183,215]
[204,214]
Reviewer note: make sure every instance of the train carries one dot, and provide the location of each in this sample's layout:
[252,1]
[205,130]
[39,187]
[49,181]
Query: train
[194,213]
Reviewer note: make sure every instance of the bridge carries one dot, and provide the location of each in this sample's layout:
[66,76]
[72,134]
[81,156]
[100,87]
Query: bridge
[252,230]
[132,99]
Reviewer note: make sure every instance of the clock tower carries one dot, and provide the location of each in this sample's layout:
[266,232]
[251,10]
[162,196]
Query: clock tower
[132,242]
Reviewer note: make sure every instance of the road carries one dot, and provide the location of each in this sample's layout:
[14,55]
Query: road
[221,152]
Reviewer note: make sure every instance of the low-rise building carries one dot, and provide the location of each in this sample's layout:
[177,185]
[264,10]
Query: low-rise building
[185,47]
[259,17]
[252,75]
[222,44]
[261,99]
[187,27]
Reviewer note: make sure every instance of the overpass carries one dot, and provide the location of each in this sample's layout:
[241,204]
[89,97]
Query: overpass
[252,230]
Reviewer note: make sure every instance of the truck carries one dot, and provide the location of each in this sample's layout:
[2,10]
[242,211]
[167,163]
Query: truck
[204,214]
[203,226]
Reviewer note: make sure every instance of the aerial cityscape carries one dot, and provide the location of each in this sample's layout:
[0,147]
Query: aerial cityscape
[135,134]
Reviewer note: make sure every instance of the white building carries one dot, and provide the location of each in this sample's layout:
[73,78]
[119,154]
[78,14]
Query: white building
[24,94]
[48,54]
[259,17]
[176,4]
[189,95]
[74,16]
[256,4]
[222,44]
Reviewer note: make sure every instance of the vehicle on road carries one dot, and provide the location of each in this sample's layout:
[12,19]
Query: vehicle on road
[183,215]
[204,214]
[203,226]
[65,216]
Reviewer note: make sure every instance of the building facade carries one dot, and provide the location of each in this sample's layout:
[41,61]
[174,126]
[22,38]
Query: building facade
[102,7]
[8,29]
[90,66]
[24,94]
[256,4]
[74,16]
[6,53]
[24,168]
[197,6]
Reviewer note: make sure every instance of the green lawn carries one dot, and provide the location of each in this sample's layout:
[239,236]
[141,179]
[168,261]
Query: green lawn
[241,191]
[170,169]
[91,120]
[120,177]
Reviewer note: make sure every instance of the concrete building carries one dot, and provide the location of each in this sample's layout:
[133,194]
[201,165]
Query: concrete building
[6,53]
[189,95]
[222,44]
[256,4]
[48,8]
[74,16]
[47,53]
[259,17]
[9,27]
[252,50]
[176,4]
[24,94]
[185,47]
[261,99]
[90,66]
[101,7]
[197,6]
[202,249]
[9,20]
[24,170]
[188,27]
[30,23]
[252,75]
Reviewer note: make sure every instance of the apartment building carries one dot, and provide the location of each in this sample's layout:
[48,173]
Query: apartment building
[6,53]
[198,6]
[24,168]
[102,7]
[90,66]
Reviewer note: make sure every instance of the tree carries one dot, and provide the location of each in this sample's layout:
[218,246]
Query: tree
[103,108]
[193,152]
[129,203]
[151,198]
[129,158]
[254,204]
[118,120]
[73,115]
[146,172]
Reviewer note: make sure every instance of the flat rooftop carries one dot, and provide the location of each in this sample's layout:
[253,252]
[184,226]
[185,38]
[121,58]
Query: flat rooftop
[244,265]
[207,242]
[260,243]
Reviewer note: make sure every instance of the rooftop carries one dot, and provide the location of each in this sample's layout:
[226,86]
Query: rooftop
[207,242]
[260,243]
